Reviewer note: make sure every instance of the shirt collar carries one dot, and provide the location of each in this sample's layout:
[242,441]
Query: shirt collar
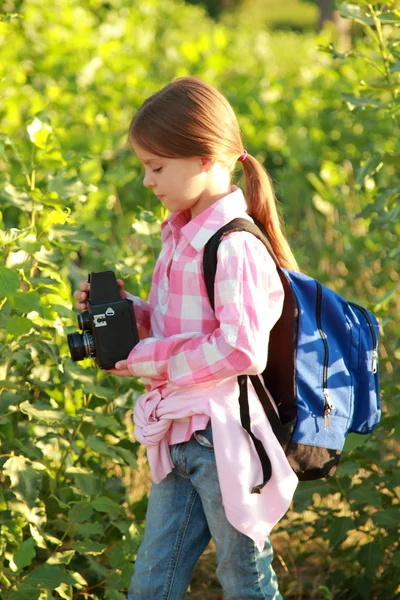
[199,230]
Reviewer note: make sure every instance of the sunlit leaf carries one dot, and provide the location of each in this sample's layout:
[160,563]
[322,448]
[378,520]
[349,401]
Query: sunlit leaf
[25,481]
[61,558]
[88,547]
[39,132]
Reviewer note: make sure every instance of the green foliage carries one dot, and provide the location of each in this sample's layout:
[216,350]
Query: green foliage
[71,201]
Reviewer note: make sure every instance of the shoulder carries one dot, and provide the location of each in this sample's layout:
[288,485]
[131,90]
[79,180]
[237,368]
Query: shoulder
[246,247]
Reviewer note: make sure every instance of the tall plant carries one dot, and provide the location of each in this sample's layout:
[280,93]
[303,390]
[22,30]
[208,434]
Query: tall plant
[354,517]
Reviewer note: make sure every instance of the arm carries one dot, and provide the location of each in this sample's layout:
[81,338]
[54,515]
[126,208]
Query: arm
[248,301]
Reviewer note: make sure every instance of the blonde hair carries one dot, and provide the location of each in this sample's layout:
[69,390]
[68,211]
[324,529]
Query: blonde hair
[189,117]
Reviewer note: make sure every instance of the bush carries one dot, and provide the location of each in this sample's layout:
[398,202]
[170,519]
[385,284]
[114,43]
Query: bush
[72,202]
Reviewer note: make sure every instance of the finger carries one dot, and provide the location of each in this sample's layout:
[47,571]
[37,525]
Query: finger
[80,295]
[121,286]
[119,372]
[84,286]
[121,364]
[81,305]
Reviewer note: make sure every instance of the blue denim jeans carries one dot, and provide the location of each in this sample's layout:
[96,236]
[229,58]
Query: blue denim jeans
[185,510]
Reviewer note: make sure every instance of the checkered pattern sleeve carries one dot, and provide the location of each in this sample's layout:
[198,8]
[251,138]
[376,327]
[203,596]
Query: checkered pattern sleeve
[142,315]
[248,301]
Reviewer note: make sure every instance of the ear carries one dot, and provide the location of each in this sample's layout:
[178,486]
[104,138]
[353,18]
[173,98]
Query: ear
[207,164]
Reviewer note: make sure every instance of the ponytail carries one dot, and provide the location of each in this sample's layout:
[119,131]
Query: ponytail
[189,117]
[263,206]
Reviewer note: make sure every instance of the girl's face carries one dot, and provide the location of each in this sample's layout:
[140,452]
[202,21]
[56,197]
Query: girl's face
[180,183]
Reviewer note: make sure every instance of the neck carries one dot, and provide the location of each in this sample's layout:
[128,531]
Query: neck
[219,185]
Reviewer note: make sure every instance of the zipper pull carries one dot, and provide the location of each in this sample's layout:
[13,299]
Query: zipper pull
[374,360]
[328,409]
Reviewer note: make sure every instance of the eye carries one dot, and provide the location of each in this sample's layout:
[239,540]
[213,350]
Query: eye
[157,170]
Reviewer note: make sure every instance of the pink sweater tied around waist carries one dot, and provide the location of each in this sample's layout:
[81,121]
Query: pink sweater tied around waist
[238,465]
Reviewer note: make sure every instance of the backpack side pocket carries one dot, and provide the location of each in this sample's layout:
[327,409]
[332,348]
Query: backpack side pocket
[367,406]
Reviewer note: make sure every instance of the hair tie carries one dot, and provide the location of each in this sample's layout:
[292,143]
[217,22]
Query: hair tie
[243,156]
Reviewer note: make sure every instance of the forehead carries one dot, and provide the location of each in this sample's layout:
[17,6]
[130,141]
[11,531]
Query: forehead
[144,156]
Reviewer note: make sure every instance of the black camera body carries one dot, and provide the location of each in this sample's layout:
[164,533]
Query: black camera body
[108,325]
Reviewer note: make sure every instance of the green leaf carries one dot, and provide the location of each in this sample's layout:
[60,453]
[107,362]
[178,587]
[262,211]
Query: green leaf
[29,244]
[65,591]
[39,132]
[87,530]
[69,187]
[61,558]
[4,141]
[388,517]
[19,326]
[42,412]
[106,505]
[389,17]
[26,302]
[395,67]
[88,547]
[85,481]
[71,234]
[49,576]
[25,554]
[9,282]
[370,557]
[370,2]
[55,217]
[25,481]
[363,494]
[351,11]
[338,530]
[80,512]
[11,235]
[113,594]
[100,446]
[387,297]
[370,167]
[353,441]
[392,158]
[304,494]
[361,101]
[127,456]
[19,199]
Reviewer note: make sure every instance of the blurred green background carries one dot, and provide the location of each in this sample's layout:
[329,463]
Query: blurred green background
[318,104]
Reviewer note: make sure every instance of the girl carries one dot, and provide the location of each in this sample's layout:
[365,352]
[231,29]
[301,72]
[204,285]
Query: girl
[203,463]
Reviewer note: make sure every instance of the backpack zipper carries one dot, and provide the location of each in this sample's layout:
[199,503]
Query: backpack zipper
[374,340]
[328,404]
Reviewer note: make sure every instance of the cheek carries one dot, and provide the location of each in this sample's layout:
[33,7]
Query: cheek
[193,185]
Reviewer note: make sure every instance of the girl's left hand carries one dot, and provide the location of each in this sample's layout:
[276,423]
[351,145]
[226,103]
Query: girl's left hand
[121,369]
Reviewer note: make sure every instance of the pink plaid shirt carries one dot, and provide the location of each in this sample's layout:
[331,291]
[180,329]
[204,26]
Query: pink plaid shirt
[191,360]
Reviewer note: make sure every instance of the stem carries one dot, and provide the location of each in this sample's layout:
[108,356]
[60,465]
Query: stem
[384,55]
[370,62]
[74,434]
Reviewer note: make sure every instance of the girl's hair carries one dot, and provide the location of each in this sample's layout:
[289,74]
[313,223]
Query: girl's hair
[190,118]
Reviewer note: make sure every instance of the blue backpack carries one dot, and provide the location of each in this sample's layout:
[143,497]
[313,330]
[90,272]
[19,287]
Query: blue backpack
[322,369]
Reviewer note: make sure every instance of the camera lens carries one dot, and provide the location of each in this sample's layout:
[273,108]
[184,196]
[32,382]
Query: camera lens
[84,320]
[81,345]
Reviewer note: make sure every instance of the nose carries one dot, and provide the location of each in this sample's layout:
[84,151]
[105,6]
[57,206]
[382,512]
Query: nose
[148,181]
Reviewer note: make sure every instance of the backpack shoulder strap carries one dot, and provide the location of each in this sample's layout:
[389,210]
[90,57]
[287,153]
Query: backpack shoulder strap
[209,271]
[211,249]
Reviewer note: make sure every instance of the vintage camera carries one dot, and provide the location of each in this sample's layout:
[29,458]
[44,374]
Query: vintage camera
[108,325]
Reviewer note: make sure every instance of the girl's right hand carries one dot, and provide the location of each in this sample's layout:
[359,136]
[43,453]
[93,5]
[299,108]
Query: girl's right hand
[82,294]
